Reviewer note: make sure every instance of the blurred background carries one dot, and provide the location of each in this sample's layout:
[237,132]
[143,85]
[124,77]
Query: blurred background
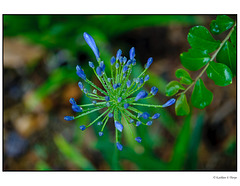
[40,56]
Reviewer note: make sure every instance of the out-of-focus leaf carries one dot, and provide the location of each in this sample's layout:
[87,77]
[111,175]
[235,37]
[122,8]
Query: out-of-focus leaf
[227,55]
[42,165]
[200,38]
[71,154]
[233,37]
[194,59]
[196,136]
[221,24]
[201,96]
[173,87]
[219,73]
[181,146]
[181,106]
[184,75]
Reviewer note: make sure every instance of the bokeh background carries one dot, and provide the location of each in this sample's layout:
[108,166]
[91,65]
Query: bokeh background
[40,56]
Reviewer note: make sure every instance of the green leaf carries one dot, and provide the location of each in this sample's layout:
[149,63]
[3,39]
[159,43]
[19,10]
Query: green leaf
[219,73]
[194,59]
[181,106]
[181,146]
[221,24]
[173,87]
[200,38]
[233,36]
[227,55]
[201,96]
[184,75]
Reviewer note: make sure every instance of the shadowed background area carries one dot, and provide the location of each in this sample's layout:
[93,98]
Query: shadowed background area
[39,76]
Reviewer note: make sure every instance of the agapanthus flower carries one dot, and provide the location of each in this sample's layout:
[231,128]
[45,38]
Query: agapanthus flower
[119,95]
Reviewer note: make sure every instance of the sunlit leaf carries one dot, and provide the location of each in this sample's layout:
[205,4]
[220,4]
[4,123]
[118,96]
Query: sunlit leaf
[173,87]
[221,24]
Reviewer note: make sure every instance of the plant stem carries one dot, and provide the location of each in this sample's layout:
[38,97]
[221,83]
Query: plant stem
[212,58]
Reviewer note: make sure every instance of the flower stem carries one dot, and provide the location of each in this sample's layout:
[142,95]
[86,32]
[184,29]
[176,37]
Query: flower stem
[212,58]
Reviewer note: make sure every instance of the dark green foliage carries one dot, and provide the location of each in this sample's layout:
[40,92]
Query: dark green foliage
[201,56]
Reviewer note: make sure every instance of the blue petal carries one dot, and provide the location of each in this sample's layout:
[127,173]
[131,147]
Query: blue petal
[119,53]
[82,127]
[90,41]
[145,115]
[72,101]
[141,95]
[138,139]
[113,60]
[169,103]
[102,66]
[100,133]
[119,126]
[80,72]
[119,99]
[126,105]
[125,68]
[149,62]
[132,53]
[76,108]
[107,98]
[128,83]
[80,85]
[124,60]
[156,116]
[138,123]
[91,64]
[119,146]
[99,71]
[110,115]
[131,121]
[69,118]
[146,78]
[149,123]
[154,90]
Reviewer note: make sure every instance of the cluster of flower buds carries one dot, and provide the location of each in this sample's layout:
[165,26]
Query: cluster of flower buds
[116,99]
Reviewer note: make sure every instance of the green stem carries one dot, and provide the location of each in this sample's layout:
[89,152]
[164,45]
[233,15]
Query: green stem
[212,58]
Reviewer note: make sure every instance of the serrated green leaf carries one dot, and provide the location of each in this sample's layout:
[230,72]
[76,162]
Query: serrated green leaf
[227,55]
[233,36]
[219,73]
[221,24]
[181,106]
[201,96]
[200,38]
[184,75]
[194,59]
[173,87]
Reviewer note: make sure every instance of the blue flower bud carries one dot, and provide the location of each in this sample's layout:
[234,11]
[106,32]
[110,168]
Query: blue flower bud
[108,104]
[69,118]
[102,66]
[100,133]
[72,101]
[82,127]
[117,85]
[91,64]
[76,108]
[141,95]
[112,60]
[137,80]
[80,85]
[138,123]
[94,91]
[99,71]
[90,41]
[169,103]
[110,115]
[132,53]
[138,139]
[129,62]
[154,90]
[134,62]
[119,53]
[125,68]
[126,105]
[119,146]
[109,80]
[128,83]
[107,98]
[85,90]
[119,99]
[149,62]
[99,123]
[131,120]
[80,72]
[145,115]
[118,126]
[156,116]
[139,115]
[124,60]
[120,59]
[94,102]
[146,78]
[141,81]
[149,123]
[117,65]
